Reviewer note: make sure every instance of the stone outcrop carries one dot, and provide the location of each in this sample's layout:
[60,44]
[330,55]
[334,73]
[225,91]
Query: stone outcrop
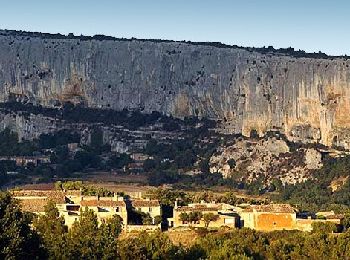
[248,160]
[307,99]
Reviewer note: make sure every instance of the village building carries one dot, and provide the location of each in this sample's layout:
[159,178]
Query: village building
[103,207]
[147,206]
[273,217]
[220,215]
[306,224]
[269,217]
[140,157]
[26,160]
[135,167]
[34,201]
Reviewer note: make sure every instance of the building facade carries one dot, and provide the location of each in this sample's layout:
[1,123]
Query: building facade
[204,215]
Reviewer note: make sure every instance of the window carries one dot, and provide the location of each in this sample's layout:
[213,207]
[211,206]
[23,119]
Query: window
[117,209]
[149,209]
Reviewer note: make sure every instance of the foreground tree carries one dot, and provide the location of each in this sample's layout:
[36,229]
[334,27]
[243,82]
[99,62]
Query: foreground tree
[150,246]
[107,237]
[53,231]
[184,217]
[82,237]
[17,240]
[86,240]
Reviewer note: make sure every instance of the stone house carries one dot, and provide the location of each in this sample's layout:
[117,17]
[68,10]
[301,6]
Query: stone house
[34,201]
[281,217]
[147,206]
[103,207]
[269,217]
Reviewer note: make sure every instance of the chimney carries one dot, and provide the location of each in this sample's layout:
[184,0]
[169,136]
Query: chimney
[176,204]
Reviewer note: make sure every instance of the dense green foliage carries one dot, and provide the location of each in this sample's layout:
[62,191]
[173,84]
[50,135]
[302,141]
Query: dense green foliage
[316,194]
[17,240]
[86,190]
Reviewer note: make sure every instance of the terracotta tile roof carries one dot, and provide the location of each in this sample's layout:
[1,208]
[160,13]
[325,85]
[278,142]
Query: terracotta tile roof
[145,203]
[33,205]
[102,203]
[274,208]
[56,196]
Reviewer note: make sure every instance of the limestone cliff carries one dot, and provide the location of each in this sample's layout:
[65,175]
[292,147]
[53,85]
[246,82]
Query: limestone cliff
[307,99]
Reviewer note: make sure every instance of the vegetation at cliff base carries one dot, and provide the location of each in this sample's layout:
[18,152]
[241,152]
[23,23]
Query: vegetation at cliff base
[317,194]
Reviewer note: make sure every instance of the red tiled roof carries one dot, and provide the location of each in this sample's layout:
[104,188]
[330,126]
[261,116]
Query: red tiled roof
[33,205]
[145,203]
[56,196]
[102,203]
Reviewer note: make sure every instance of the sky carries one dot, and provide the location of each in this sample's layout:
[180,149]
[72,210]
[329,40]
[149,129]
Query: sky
[310,25]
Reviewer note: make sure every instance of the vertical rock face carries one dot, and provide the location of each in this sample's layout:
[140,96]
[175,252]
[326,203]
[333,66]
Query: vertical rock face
[307,99]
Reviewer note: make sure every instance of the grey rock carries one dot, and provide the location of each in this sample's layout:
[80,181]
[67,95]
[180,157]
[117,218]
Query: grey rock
[306,99]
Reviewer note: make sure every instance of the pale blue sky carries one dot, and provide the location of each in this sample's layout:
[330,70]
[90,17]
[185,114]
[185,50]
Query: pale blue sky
[311,25]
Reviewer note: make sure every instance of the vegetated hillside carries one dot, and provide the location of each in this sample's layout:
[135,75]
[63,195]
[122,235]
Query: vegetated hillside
[304,96]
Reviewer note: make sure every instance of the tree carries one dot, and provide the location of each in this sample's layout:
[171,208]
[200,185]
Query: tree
[208,217]
[83,239]
[17,240]
[119,161]
[194,216]
[58,185]
[346,221]
[150,246]
[52,230]
[184,217]
[157,220]
[232,163]
[229,198]
[146,218]
[108,234]
[324,227]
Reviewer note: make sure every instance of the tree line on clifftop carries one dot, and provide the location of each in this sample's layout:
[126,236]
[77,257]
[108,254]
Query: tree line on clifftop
[263,50]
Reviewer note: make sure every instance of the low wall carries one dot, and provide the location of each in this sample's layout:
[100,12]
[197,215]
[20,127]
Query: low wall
[130,228]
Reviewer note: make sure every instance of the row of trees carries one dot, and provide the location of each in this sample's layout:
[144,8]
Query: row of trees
[195,217]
